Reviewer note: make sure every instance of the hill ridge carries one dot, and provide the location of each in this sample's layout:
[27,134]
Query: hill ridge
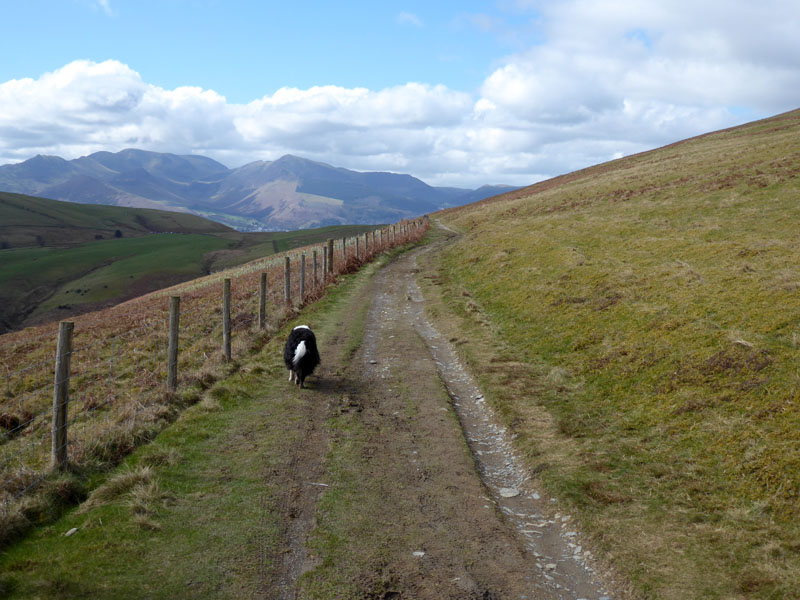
[249,197]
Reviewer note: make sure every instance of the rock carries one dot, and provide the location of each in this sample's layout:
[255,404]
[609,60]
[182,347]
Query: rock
[509,492]
[550,566]
[418,554]
[373,362]
[71,531]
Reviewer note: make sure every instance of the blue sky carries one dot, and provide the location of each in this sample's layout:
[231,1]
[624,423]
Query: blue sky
[456,93]
[245,49]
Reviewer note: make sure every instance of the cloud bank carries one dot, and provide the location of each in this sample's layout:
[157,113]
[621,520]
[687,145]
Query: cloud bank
[603,80]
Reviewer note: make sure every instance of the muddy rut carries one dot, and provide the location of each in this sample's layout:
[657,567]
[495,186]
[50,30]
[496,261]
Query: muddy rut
[462,518]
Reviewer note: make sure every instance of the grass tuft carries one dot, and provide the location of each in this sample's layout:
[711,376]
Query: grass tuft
[118,486]
[160,456]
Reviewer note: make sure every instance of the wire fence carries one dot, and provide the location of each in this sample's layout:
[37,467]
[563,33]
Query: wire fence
[116,382]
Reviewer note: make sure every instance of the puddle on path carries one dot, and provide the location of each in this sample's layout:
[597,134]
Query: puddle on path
[548,535]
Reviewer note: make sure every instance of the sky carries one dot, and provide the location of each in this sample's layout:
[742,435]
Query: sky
[458,93]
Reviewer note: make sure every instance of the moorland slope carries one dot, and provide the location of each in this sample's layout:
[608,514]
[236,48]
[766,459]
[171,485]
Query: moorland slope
[651,306]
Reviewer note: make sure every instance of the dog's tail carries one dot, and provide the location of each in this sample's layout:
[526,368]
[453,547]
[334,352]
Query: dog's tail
[299,353]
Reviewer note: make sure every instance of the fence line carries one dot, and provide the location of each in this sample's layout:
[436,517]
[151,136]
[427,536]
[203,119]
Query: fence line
[124,365]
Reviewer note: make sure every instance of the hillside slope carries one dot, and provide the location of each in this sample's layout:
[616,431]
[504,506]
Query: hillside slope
[59,259]
[651,306]
[27,221]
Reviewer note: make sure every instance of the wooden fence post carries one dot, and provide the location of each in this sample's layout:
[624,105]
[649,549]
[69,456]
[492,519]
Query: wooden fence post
[314,261]
[330,256]
[302,278]
[226,318]
[325,263]
[287,281]
[262,302]
[172,351]
[357,237]
[61,394]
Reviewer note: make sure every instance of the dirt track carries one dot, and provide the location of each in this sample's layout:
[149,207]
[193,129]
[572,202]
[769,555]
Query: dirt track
[449,530]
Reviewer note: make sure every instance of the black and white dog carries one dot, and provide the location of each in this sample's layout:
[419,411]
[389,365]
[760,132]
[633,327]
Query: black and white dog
[300,354]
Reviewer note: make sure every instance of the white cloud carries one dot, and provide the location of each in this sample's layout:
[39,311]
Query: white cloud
[610,78]
[407,18]
[604,79]
[104,4]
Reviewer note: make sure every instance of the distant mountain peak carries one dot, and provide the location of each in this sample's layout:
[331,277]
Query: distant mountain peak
[288,193]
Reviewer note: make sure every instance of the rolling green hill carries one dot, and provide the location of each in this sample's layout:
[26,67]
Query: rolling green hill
[27,221]
[78,263]
[651,307]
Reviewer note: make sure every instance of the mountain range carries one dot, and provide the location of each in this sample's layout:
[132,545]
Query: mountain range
[288,193]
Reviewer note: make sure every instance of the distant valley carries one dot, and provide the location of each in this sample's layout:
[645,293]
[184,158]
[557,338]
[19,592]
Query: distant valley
[286,194]
[59,259]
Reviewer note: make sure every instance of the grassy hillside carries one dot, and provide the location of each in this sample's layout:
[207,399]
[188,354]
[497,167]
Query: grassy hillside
[55,281]
[249,246]
[49,283]
[650,305]
[28,221]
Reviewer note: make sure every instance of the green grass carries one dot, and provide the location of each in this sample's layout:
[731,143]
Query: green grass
[27,221]
[57,281]
[177,545]
[41,283]
[654,303]
[109,262]
[288,240]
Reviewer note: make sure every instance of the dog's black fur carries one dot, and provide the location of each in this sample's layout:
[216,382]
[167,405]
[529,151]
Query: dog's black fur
[300,354]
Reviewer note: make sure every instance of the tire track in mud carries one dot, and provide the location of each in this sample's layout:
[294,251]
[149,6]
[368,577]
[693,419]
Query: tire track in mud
[301,478]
